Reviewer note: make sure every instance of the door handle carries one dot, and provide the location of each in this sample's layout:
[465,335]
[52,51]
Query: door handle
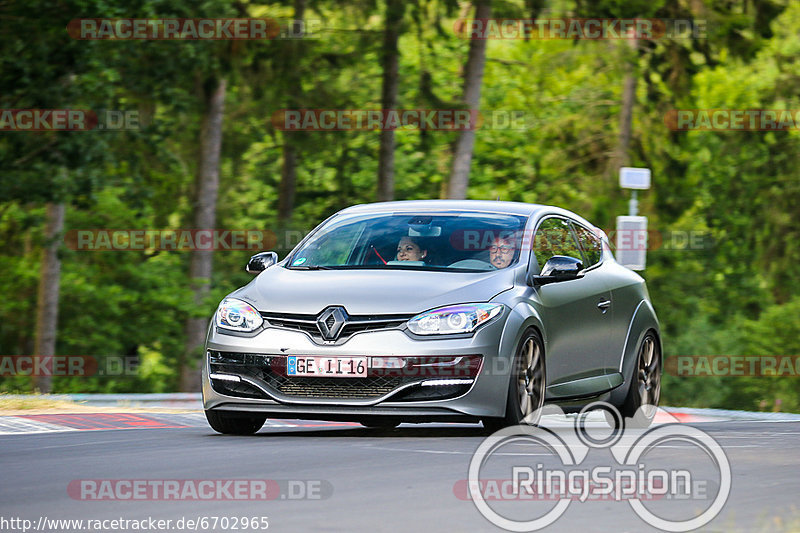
[604,305]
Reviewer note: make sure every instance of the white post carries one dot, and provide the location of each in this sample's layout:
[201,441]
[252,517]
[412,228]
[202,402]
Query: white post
[633,204]
[632,229]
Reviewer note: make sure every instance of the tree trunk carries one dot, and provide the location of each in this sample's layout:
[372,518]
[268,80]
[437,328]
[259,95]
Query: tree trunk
[47,301]
[288,187]
[473,78]
[205,218]
[621,155]
[534,8]
[390,58]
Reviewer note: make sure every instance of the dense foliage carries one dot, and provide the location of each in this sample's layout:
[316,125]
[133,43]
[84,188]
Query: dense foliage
[734,290]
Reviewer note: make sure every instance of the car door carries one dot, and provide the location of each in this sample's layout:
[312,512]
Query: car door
[592,247]
[575,315]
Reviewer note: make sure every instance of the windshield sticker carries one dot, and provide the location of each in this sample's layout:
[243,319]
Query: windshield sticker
[299,261]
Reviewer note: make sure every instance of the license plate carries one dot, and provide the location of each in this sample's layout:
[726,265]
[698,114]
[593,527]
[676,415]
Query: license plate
[331,367]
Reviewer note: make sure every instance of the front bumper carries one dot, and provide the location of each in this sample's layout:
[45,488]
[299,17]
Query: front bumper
[249,376]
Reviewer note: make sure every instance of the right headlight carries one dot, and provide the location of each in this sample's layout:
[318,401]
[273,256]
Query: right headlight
[236,315]
[464,318]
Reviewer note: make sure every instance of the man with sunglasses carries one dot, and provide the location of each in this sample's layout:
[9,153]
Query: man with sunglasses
[501,252]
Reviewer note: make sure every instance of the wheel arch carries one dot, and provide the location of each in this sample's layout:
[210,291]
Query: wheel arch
[643,321]
[522,317]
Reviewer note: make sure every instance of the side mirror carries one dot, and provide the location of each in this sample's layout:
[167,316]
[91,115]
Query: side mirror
[558,268]
[260,262]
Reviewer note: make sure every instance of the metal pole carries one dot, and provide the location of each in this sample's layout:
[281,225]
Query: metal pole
[633,205]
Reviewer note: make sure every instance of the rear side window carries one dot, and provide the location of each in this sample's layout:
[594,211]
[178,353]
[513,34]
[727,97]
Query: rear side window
[590,243]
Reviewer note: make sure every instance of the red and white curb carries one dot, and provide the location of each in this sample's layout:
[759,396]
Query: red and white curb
[20,424]
[62,422]
[51,423]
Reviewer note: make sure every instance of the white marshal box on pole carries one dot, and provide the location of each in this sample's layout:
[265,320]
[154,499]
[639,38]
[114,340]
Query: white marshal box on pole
[634,178]
[631,240]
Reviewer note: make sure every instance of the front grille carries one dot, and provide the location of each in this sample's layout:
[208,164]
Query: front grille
[269,371]
[355,323]
[341,388]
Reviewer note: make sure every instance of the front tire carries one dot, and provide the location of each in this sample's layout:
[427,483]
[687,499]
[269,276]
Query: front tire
[526,388]
[228,424]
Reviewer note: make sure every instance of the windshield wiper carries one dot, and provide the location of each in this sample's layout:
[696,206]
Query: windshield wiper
[421,268]
[310,267]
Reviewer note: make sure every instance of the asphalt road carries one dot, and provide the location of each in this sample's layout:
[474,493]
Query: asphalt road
[361,479]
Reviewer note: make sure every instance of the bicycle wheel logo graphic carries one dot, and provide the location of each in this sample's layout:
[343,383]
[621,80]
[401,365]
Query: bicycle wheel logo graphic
[636,477]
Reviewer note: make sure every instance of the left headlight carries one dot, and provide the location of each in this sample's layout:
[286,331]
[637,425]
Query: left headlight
[464,318]
[237,315]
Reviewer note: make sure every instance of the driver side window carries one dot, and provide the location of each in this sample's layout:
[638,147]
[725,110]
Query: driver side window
[553,237]
[591,244]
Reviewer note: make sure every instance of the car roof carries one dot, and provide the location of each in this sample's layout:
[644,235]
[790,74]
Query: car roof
[514,208]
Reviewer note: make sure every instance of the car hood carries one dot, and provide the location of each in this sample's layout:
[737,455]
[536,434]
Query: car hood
[369,292]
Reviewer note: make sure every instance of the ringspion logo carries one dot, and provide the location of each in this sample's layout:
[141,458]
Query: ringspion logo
[526,468]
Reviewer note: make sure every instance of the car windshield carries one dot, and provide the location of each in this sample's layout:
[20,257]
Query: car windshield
[426,241]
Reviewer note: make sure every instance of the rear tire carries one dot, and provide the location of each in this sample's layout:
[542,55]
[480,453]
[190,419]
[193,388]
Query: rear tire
[227,424]
[645,388]
[526,386]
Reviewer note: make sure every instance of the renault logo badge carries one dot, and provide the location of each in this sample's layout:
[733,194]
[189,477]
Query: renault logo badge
[331,321]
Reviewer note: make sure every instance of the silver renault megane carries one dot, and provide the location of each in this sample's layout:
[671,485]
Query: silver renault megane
[434,310]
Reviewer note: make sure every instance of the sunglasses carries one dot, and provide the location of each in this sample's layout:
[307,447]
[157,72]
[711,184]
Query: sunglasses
[503,249]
